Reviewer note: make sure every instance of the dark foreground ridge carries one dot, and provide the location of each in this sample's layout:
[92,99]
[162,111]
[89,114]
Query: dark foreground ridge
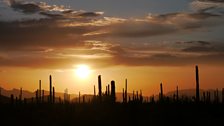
[119,114]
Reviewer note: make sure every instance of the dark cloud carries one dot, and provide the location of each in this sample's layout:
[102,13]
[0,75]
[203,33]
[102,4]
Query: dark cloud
[41,33]
[202,43]
[199,49]
[90,14]
[25,7]
[201,46]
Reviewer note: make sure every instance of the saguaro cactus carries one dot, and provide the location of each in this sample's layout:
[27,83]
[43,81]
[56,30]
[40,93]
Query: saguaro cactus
[12,99]
[50,95]
[123,96]
[161,92]
[0,94]
[53,95]
[42,95]
[126,91]
[177,94]
[113,93]
[108,89]
[79,97]
[40,90]
[21,94]
[197,84]
[36,93]
[94,90]
[99,87]
[223,95]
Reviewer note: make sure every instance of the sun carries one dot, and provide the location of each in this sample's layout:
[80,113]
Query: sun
[82,71]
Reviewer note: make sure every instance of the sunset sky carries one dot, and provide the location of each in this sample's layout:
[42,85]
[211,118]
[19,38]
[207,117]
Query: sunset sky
[145,41]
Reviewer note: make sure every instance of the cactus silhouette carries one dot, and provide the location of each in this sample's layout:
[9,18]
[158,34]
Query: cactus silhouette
[43,96]
[223,95]
[36,96]
[161,92]
[79,97]
[94,90]
[21,94]
[113,93]
[53,95]
[0,95]
[50,95]
[126,91]
[197,84]
[12,99]
[204,97]
[100,88]
[40,97]
[83,99]
[123,96]
[177,94]
[108,89]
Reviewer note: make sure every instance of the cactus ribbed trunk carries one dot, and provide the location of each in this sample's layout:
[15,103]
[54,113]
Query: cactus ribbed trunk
[197,84]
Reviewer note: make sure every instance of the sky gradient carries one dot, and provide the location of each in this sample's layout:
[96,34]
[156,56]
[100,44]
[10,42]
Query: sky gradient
[146,41]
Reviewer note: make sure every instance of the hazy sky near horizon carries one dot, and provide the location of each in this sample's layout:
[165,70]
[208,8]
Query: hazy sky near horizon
[146,41]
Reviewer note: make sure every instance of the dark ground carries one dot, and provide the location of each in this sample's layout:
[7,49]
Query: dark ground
[112,114]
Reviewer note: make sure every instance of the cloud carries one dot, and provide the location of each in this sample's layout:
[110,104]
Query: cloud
[60,37]
[202,46]
[155,25]
[51,30]
[211,6]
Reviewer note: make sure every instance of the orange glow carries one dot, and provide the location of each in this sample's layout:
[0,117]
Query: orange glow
[146,79]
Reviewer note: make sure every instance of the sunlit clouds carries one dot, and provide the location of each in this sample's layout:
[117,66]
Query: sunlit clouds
[58,36]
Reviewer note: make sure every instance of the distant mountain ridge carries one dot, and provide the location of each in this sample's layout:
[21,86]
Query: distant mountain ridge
[119,96]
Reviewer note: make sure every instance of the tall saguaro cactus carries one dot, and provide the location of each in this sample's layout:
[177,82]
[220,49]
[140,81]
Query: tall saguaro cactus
[113,93]
[161,91]
[177,93]
[40,90]
[50,95]
[126,91]
[99,87]
[53,95]
[197,84]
